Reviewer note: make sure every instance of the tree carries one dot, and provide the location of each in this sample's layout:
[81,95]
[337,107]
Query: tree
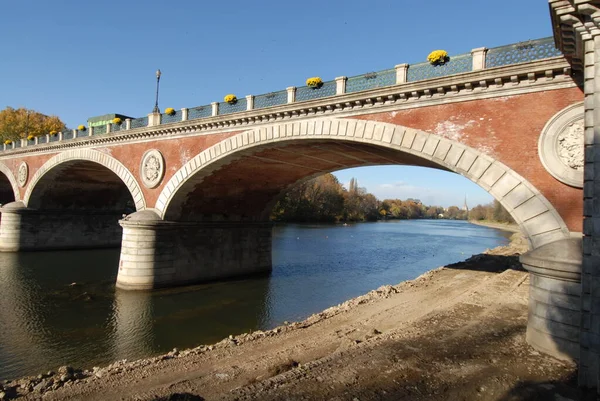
[319,199]
[492,211]
[22,122]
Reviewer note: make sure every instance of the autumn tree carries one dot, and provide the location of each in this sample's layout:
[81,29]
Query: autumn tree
[319,199]
[22,122]
[492,211]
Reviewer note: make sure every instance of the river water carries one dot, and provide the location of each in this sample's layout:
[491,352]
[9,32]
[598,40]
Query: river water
[59,308]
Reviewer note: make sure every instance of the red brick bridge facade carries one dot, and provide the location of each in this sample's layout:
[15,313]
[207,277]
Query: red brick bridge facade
[198,192]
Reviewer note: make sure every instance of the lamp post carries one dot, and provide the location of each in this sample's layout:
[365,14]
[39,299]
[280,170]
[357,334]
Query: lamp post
[156,109]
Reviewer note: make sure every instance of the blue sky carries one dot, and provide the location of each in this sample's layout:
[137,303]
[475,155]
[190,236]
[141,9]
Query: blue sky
[77,59]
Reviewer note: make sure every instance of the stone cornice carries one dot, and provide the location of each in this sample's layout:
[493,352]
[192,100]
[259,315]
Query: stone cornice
[572,22]
[548,74]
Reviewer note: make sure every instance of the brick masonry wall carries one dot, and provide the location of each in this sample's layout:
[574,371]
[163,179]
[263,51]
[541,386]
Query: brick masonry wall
[506,128]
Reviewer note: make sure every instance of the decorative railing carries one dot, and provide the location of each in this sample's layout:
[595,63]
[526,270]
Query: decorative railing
[521,52]
[456,65]
[139,122]
[68,134]
[226,108]
[270,99]
[200,112]
[477,59]
[371,80]
[170,118]
[305,93]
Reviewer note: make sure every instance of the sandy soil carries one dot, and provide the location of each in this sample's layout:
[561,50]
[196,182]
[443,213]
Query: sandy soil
[455,333]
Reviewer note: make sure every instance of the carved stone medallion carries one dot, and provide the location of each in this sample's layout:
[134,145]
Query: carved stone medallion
[152,168]
[561,147]
[23,174]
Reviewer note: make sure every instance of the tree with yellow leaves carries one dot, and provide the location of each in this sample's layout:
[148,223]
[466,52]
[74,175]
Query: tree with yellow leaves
[22,123]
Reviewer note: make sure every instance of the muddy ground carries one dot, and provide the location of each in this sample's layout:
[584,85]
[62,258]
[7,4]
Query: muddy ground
[455,333]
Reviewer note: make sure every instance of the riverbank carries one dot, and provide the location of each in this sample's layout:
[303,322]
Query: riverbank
[510,227]
[456,332]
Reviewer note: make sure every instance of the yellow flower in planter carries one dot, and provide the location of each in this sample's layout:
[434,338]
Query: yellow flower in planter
[231,99]
[170,111]
[438,57]
[7,142]
[117,120]
[52,133]
[314,82]
[81,128]
[30,137]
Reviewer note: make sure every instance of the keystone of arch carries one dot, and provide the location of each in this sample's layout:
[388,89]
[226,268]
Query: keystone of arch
[13,181]
[538,219]
[93,156]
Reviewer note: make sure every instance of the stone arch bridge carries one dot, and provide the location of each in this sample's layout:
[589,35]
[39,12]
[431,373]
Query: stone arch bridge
[192,191]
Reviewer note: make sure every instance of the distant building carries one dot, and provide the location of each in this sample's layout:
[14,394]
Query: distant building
[105,119]
[465,207]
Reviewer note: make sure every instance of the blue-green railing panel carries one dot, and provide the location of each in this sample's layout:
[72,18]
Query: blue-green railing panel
[521,52]
[456,65]
[199,112]
[270,99]
[53,138]
[304,93]
[371,80]
[174,118]
[139,122]
[226,108]
[31,142]
[17,143]
[98,130]
[68,134]
[42,139]
[117,127]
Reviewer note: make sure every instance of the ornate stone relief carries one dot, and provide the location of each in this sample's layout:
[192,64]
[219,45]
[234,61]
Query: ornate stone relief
[23,174]
[561,147]
[152,168]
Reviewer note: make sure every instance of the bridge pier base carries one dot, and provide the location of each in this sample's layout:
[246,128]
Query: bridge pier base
[554,320]
[24,229]
[157,253]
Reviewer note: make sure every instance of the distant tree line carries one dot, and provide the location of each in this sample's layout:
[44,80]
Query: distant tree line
[324,199]
[493,211]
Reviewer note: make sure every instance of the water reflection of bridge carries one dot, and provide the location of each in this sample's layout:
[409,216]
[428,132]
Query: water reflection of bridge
[46,320]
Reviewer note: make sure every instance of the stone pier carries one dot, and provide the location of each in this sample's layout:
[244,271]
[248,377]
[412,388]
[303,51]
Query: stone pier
[555,298]
[25,229]
[157,253]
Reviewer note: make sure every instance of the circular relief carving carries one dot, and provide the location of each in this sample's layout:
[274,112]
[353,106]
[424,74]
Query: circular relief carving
[23,174]
[561,147]
[152,168]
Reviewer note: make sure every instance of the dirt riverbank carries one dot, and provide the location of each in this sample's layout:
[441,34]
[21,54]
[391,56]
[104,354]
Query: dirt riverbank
[511,227]
[454,333]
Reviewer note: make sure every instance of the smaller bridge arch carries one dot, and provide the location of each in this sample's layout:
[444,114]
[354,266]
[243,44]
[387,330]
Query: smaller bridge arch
[94,156]
[12,180]
[538,219]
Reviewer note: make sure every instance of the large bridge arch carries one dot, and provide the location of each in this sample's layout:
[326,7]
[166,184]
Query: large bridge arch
[538,219]
[87,155]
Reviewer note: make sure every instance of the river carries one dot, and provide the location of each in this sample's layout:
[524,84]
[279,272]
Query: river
[59,308]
